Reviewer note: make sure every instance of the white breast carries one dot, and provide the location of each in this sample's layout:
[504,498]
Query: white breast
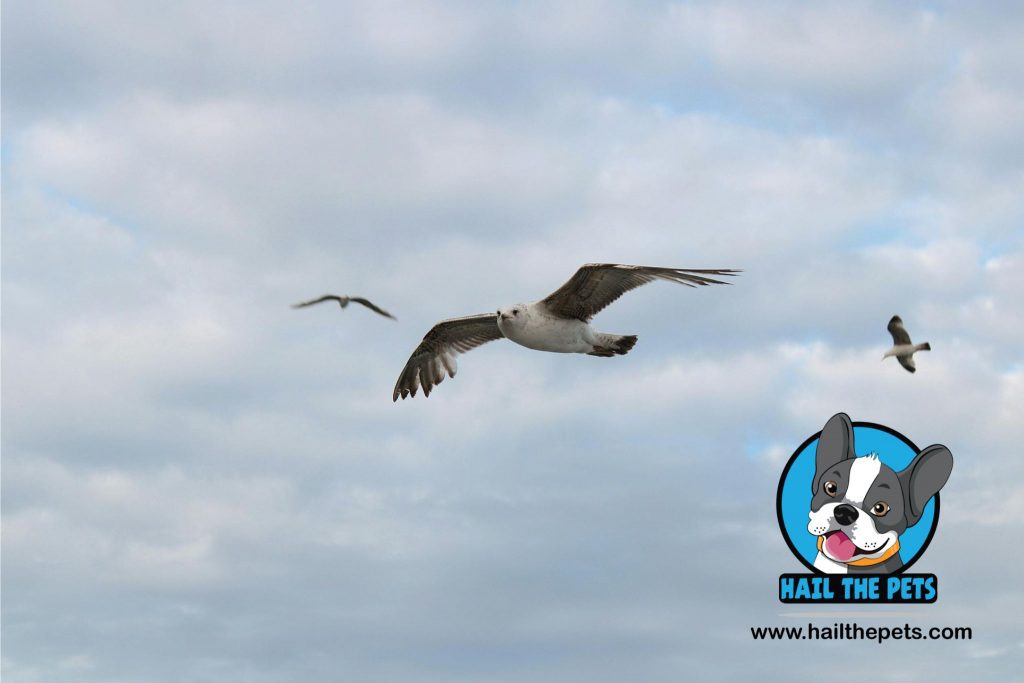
[536,329]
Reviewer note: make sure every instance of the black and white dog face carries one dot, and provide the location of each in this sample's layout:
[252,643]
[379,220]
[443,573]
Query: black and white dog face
[861,506]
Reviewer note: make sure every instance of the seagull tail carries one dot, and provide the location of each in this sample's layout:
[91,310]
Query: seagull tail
[924,347]
[609,345]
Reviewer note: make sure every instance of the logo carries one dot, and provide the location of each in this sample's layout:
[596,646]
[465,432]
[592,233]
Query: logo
[858,504]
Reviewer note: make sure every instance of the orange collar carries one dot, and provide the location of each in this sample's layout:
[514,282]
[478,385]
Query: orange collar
[867,561]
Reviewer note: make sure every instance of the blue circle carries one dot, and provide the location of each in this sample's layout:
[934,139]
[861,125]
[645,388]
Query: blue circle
[794,502]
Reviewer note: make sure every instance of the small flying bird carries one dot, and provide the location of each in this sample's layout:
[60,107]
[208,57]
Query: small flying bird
[559,323]
[343,301]
[903,348]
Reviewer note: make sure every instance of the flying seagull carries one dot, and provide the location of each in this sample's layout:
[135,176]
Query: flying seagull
[559,323]
[903,348]
[343,301]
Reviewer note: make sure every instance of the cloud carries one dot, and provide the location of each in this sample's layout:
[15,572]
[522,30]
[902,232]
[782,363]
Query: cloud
[851,53]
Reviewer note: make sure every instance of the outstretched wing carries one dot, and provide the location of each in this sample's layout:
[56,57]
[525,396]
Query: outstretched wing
[436,353]
[907,362]
[373,307]
[899,335]
[326,297]
[596,285]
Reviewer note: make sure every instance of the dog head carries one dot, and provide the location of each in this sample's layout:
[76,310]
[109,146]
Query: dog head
[860,506]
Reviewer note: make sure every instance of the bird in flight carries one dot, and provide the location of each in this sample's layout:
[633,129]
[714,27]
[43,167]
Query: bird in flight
[343,301]
[559,323]
[903,348]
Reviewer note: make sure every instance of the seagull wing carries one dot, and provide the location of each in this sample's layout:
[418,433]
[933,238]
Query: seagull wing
[899,334]
[326,297]
[596,285]
[436,353]
[907,362]
[373,307]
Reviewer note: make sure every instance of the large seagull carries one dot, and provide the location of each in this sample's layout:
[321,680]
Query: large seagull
[559,323]
[903,348]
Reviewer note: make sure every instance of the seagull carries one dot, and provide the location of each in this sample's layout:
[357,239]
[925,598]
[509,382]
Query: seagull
[903,348]
[559,323]
[343,301]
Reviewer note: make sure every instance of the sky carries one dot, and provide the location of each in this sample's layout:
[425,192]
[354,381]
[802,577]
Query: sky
[202,484]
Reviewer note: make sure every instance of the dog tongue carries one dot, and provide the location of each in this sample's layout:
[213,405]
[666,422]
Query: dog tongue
[840,546]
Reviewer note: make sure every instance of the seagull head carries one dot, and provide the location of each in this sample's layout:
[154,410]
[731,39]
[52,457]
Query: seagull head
[513,312]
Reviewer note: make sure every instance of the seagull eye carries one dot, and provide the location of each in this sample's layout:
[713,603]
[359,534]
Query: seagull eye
[880,509]
[831,488]
[515,311]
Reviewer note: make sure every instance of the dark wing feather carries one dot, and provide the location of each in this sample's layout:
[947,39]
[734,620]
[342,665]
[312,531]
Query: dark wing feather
[373,307]
[326,297]
[436,353]
[596,285]
[899,333]
[907,362]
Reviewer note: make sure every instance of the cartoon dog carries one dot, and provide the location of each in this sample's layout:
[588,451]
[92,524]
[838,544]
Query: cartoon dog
[860,506]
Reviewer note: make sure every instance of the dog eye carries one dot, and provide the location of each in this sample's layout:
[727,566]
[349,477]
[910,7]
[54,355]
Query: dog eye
[831,488]
[880,509]
[515,311]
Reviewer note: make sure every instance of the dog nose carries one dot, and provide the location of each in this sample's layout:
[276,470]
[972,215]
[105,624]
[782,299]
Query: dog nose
[845,514]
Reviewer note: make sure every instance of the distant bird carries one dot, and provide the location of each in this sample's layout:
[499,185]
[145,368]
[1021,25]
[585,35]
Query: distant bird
[559,323]
[903,348]
[343,301]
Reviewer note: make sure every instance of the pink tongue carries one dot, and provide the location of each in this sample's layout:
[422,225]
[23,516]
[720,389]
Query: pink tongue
[840,546]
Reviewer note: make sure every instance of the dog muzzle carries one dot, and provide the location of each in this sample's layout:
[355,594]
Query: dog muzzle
[863,562]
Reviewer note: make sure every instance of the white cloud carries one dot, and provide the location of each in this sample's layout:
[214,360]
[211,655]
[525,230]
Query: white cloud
[851,52]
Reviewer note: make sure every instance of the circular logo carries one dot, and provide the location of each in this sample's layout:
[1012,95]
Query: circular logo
[793,500]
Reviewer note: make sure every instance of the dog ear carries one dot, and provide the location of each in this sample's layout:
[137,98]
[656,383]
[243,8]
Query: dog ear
[923,478]
[834,445]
